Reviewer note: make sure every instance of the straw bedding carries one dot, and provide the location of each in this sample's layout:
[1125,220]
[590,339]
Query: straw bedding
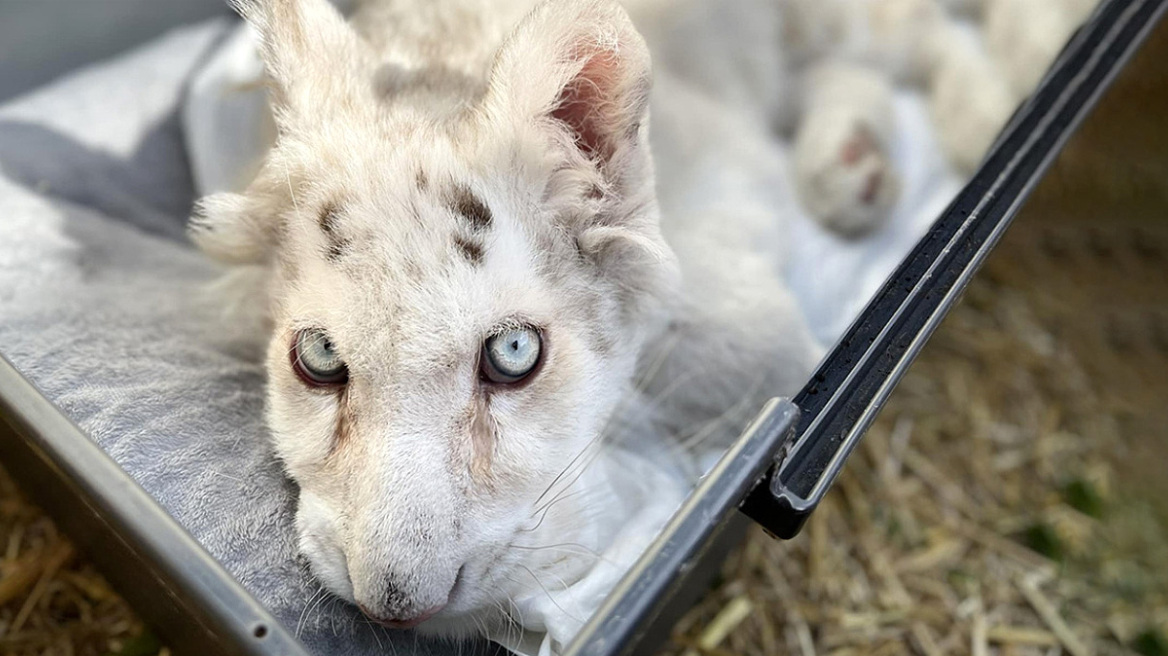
[1010,500]
[51,602]
[997,507]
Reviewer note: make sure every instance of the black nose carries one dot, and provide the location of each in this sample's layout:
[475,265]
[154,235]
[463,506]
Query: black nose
[402,622]
[394,597]
[397,611]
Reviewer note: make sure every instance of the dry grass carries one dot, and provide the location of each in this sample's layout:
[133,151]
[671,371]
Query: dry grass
[51,602]
[986,512]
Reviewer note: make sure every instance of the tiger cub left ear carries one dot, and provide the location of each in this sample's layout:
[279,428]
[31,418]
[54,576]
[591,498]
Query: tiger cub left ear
[239,228]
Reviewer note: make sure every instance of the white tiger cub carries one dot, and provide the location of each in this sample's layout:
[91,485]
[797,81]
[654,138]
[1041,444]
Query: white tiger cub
[482,263]
[467,270]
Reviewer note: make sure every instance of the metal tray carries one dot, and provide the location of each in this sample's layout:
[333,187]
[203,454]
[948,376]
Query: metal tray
[776,473]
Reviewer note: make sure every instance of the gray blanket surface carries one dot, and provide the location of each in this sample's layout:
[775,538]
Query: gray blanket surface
[103,305]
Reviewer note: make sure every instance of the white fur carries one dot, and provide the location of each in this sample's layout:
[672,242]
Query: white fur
[1025,36]
[843,168]
[973,88]
[845,56]
[970,100]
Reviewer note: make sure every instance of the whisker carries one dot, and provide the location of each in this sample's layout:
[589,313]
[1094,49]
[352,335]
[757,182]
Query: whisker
[518,623]
[332,603]
[568,550]
[304,613]
[659,361]
[599,438]
[373,630]
[549,594]
[480,627]
[510,623]
[593,441]
[506,625]
[560,497]
[291,191]
[734,411]
[592,459]
[582,547]
[582,512]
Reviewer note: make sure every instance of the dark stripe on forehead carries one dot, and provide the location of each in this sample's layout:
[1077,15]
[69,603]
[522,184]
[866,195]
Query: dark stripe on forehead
[470,249]
[468,206]
[336,250]
[329,220]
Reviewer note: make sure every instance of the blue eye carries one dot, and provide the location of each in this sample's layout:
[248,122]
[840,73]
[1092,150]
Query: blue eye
[315,360]
[512,355]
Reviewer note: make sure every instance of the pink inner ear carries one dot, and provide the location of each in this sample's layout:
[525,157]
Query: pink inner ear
[587,106]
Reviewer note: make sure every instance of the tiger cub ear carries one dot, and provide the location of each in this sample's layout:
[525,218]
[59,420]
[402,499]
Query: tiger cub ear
[582,66]
[313,58]
[237,228]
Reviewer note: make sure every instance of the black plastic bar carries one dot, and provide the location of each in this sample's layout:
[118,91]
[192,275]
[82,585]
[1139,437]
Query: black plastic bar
[185,595]
[853,382]
[634,609]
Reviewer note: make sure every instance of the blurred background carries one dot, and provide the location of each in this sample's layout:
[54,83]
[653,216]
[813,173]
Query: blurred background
[37,45]
[1012,498]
